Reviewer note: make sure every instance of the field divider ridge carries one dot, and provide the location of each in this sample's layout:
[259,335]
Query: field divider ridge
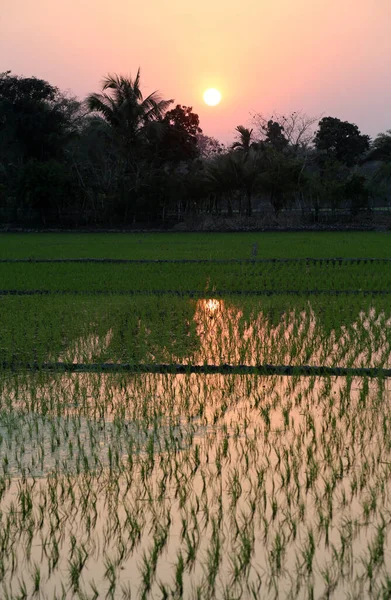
[335,260]
[194,293]
[207,369]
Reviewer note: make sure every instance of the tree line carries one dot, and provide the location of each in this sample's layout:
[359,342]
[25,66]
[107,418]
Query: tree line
[119,158]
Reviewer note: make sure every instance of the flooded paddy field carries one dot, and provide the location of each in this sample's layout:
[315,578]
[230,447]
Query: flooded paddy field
[159,482]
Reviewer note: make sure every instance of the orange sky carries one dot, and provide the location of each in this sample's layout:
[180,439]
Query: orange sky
[329,57]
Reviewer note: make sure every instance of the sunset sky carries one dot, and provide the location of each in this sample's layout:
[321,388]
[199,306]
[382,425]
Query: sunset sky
[324,57]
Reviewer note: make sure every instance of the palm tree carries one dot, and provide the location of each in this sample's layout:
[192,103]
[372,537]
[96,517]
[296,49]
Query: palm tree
[249,166]
[236,172]
[222,178]
[128,116]
[244,142]
[124,108]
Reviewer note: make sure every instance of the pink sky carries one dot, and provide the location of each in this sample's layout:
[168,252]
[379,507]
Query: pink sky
[324,57]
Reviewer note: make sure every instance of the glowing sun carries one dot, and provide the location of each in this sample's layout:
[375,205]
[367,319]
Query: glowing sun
[212,97]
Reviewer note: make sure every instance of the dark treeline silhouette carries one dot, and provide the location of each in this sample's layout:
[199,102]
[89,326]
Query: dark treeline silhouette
[120,159]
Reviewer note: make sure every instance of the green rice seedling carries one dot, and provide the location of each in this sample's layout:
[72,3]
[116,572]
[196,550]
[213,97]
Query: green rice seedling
[376,549]
[111,576]
[192,540]
[213,559]
[276,555]
[308,552]
[330,578]
[76,564]
[22,593]
[36,577]
[147,573]
[179,572]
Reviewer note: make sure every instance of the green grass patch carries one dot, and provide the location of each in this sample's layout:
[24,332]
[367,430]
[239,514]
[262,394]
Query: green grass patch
[195,245]
[201,277]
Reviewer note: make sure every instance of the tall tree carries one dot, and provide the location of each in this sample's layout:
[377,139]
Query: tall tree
[35,119]
[381,151]
[245,139]
[247,164]
[222,176]
[123,106]
[381,147]
[178,140]
[281,177]
[298,128]
[274,135]
[340,141]
[37,124]
[130,118]
[209,147]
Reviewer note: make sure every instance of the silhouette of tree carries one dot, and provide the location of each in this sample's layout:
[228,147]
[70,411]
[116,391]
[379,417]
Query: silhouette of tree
[245,141]
[35,119]
[274,135]
[208,146]
[123,106]
[249,168]
[297,126]
[381,147]
[357,193]
[222,175]
[179,137]
[280,177]
[341,141]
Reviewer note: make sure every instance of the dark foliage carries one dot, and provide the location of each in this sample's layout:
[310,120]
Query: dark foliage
[34,123]
[179,139]
[121,159]
[274,135]
[341,141]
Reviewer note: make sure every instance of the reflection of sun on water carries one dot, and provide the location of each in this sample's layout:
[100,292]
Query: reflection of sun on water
[217,326]
[211,306]
[230,335]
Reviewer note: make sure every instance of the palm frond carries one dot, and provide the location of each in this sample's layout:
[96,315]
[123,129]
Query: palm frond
[154,107]
[122,105]
[102,103]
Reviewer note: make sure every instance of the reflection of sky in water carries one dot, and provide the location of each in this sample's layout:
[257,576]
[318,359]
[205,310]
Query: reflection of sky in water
[69,412]
[268,454]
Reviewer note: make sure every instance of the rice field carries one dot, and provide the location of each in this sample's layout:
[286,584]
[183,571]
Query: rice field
[196,417]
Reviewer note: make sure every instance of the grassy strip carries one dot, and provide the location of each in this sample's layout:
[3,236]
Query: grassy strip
[195,293]
[121,261]
[196,245]
[200,277]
